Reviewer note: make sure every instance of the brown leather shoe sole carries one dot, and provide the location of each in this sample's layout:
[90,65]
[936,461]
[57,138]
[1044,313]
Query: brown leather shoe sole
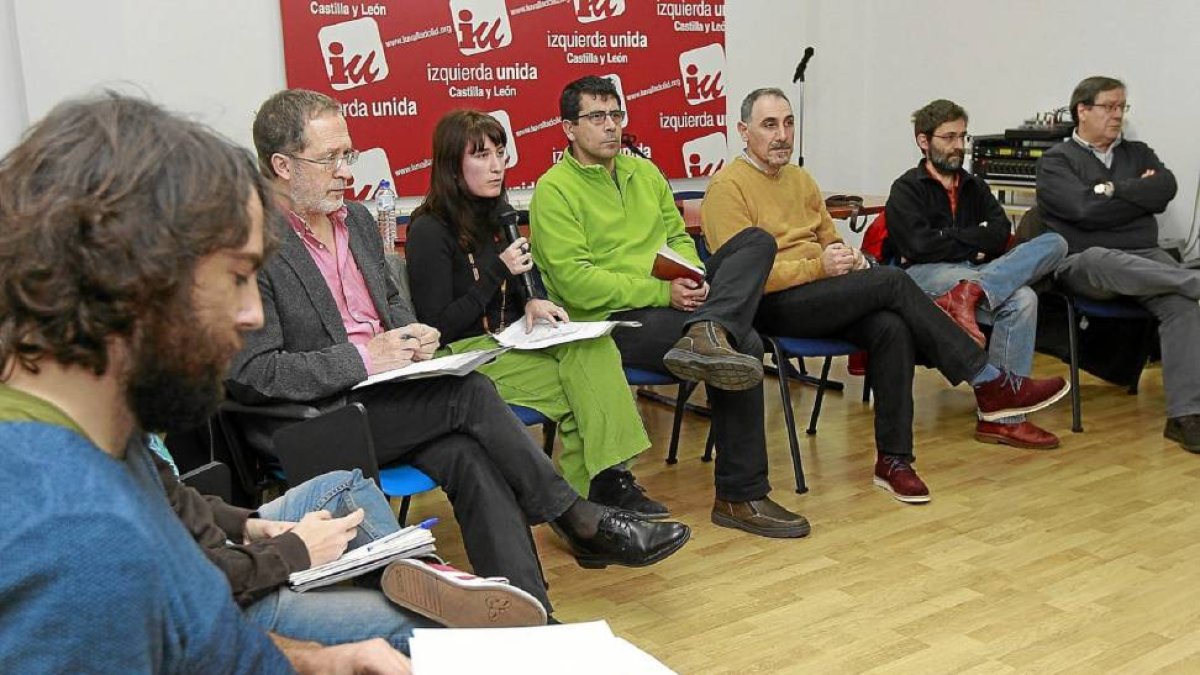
[732,373]
[1000,439]
[493,605]
[787,531]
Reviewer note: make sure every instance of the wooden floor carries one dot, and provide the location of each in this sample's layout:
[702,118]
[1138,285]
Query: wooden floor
[1084,559]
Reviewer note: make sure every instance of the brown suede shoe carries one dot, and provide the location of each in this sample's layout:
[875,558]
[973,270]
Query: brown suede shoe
[704,354]
[761,516]
[960,303]
[1024,435]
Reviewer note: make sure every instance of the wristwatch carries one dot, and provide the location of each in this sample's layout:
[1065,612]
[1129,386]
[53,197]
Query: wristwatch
[1105,189]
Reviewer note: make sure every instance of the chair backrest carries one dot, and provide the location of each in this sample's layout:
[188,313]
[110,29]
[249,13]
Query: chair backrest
[213,479]
[339,439]
[1031,225]
[875,237]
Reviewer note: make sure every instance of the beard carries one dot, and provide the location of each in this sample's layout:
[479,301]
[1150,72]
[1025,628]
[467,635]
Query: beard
[174,381]
[946,162]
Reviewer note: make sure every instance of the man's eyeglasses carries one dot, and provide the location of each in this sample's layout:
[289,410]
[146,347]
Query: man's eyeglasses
[1111,108]
[332,164]
[950,138]
[596,117]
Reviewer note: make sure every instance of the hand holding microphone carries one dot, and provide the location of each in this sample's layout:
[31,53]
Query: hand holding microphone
[517,257]
[516,243]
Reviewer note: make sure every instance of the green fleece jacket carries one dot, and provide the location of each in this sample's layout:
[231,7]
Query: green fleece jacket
[594,239]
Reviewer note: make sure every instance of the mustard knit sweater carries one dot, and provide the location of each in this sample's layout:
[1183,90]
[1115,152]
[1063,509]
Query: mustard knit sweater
[787,205]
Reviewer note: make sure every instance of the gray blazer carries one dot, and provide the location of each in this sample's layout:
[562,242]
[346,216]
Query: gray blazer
[302,353]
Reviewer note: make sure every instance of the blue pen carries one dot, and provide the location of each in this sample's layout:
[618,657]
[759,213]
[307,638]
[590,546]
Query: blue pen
[428,523]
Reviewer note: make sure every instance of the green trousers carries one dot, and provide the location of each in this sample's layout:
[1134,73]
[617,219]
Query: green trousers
[579,385]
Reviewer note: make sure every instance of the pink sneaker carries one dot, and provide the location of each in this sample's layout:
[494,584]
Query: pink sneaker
[458,599]
[894,474]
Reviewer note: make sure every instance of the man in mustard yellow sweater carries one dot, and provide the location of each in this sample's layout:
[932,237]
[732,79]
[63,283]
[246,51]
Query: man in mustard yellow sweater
[819,287]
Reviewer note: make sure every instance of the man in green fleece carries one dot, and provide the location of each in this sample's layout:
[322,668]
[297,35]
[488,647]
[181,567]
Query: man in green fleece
[598,220]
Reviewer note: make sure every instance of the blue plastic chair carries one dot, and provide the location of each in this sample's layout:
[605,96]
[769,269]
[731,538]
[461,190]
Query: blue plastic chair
[786,348]
[404,481]
[1079,309]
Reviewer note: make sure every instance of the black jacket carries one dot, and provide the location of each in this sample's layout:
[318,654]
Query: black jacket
[445,293]
[921,228]
[1066,179]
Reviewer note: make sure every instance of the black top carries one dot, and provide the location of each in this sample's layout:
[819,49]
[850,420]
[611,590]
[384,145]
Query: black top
[445,293]
[1066,179]
[922,229]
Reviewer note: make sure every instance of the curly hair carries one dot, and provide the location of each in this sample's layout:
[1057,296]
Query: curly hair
[107,205]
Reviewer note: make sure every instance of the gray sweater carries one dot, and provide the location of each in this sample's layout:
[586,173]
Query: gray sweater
[1066,177]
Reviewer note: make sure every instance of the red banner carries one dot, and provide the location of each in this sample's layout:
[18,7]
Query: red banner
[397,67]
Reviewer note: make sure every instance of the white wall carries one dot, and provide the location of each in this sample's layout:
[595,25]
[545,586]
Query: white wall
[13,118]
[877,61]
[216,59]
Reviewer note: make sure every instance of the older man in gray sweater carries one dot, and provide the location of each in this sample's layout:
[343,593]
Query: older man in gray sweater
[1101,192]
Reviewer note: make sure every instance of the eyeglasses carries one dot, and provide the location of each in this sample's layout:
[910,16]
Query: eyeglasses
[1111,108]
[331,164]
[950,138]
[596,117]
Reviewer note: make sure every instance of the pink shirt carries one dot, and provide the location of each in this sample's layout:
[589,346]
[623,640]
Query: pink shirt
[344,279]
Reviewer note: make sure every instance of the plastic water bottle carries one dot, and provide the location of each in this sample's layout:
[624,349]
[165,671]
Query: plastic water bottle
[385,215]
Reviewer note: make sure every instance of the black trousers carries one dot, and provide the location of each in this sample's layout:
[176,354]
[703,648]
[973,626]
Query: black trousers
[736,275]
[460,433]
[882,310]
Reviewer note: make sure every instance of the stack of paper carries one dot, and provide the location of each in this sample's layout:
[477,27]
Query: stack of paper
[545,334]
[410,542]
[454,364]
[575,648]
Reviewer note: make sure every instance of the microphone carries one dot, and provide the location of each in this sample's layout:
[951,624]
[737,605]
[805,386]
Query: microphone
[508,223]
[630,141]
[808,54]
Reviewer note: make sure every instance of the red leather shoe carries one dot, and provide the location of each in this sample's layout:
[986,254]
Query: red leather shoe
[1010,395]
[1023,435]
[896,475]
[959,303]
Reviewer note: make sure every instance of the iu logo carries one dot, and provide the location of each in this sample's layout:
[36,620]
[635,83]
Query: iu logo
[480,25]
[704,156]
[372,166]
[353,53]
[701,69]
[511,157]
[588,11]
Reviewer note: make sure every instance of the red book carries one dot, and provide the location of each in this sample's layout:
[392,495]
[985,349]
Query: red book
[669,265]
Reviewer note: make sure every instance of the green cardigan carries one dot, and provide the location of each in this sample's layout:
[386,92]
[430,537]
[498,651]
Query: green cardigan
[594,239]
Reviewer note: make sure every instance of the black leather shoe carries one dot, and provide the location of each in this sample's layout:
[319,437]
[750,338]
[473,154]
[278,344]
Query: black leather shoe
[761,516]
[618,489]
[1185,431]
[622,538]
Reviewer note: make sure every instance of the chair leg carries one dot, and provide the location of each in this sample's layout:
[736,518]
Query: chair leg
[1073,350]
[1147,345]
[867,388]
[549,431]
[402,517]
[710,444]
[816,410]
[789,420]
[681,399]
